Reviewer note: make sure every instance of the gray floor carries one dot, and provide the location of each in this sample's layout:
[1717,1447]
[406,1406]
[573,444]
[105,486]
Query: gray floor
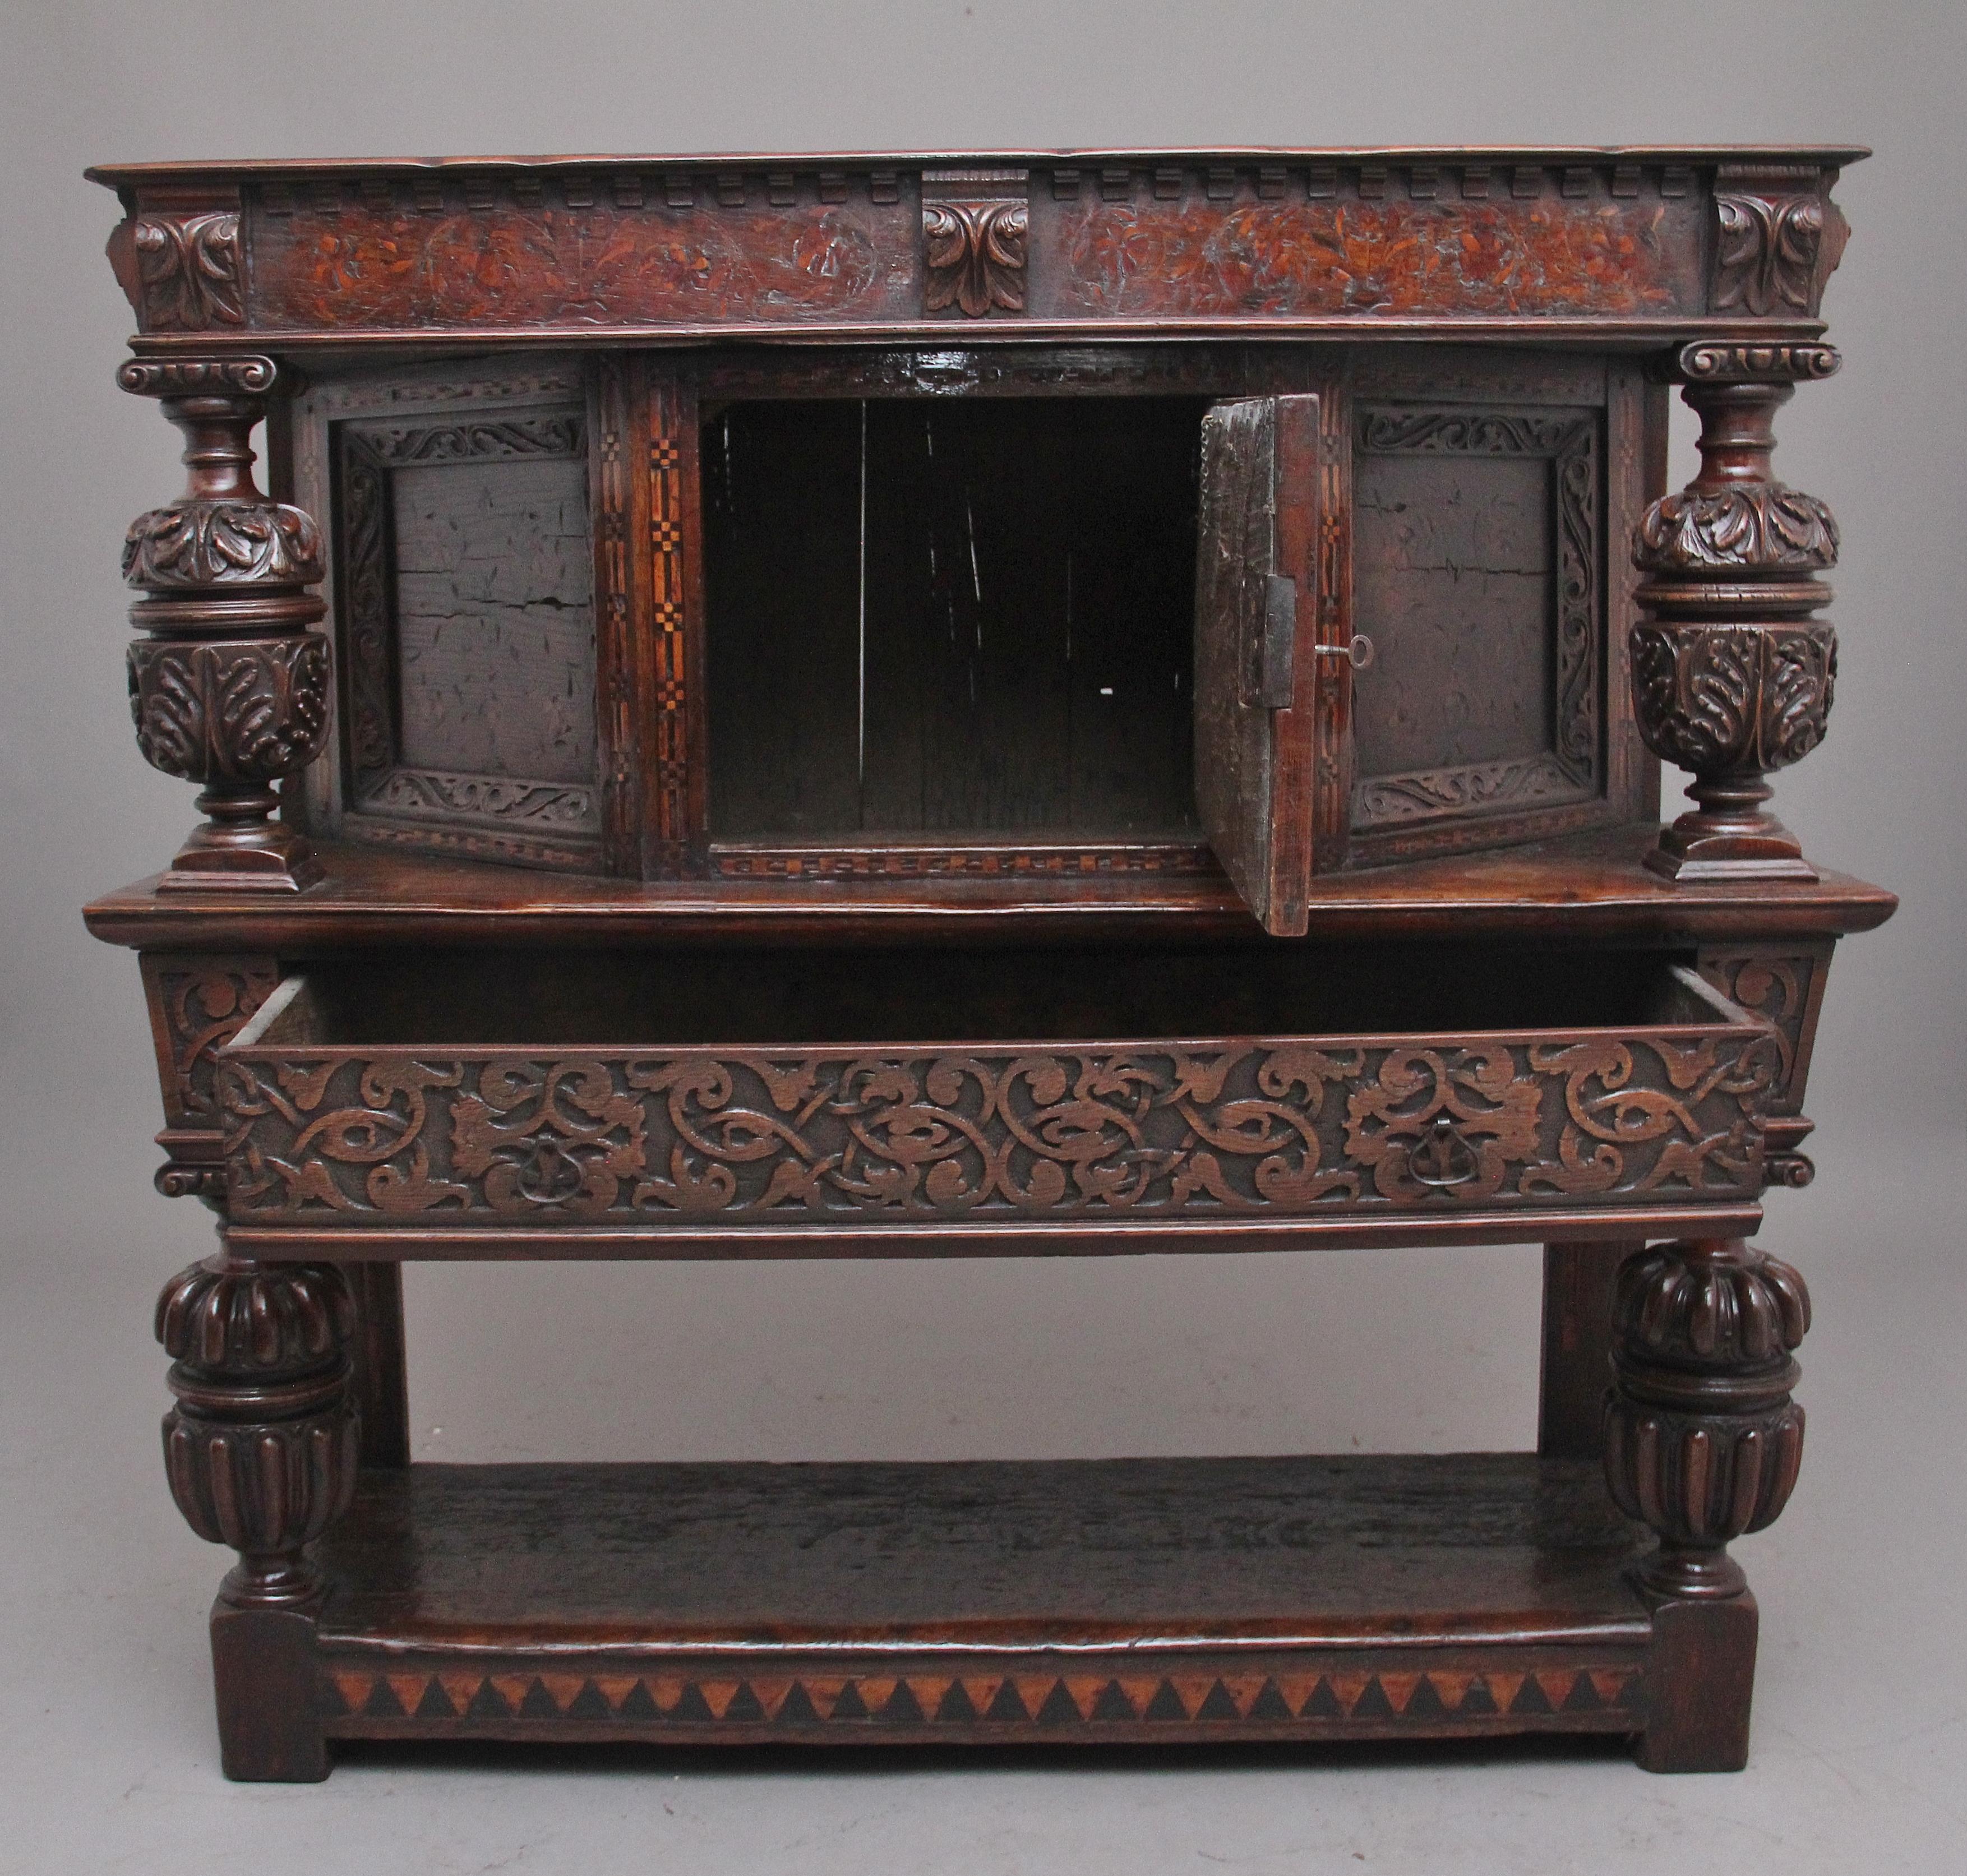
[1860,1752]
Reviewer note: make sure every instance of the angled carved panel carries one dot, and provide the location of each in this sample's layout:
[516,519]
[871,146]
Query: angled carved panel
[198,1002]
[464,589]
[1540,530]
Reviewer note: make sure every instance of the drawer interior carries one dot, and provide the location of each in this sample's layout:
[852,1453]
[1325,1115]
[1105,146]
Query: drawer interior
[783,997]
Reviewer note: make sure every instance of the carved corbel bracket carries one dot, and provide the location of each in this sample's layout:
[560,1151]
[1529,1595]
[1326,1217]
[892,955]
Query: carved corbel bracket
[1702,1440]
[232,688]
[1778,239]
[975,225]
[1732,677]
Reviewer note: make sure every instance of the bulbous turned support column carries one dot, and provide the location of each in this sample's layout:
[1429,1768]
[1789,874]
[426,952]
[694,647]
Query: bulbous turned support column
[1702,1440]
[261,1449]
[230,688]
[1732,677]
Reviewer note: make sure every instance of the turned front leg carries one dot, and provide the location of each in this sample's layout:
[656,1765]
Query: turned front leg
[1702,1443]
[261,1451]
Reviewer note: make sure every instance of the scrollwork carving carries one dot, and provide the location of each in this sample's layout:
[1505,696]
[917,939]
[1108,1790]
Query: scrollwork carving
[1569,442]
[198,1005]
[189,272]
[484,797]
[974,253]
[1471,433]
[1723,362]
[1385,798]
[1286,1128]
[477,439]
[193,377]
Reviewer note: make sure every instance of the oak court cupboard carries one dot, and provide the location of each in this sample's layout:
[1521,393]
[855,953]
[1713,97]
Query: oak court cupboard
[1050,704]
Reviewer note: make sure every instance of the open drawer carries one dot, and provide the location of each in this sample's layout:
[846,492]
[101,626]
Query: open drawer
[646,1103]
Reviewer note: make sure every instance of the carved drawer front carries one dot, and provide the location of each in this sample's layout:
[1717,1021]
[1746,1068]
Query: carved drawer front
[442,1127]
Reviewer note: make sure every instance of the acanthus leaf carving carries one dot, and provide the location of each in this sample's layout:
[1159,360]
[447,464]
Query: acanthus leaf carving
[201,544]
[250,710]
[974,254]
[189,271]
[1712,697]
[1766,253]
[1758,527]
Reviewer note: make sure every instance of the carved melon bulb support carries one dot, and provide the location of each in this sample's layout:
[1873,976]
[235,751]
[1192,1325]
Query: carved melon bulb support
[1732,677]
[230,688]
[1702,1440]
[260,1449]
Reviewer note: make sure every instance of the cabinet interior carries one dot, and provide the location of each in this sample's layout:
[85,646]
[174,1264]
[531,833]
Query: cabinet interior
[948,618]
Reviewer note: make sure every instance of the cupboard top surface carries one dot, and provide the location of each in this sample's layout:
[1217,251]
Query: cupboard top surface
[121,174]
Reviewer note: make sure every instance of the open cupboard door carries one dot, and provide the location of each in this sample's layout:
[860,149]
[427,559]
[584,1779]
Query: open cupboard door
[1256,638]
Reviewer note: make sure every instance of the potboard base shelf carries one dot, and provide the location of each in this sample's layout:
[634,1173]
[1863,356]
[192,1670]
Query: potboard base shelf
[1026,1603]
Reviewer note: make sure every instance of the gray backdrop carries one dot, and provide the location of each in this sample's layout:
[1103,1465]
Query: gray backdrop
[1150,1355]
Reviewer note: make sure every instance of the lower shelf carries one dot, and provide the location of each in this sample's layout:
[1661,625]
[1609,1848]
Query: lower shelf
[1122,1600]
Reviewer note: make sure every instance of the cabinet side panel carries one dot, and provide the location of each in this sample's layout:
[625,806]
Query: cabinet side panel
[459,504]
[1489,494]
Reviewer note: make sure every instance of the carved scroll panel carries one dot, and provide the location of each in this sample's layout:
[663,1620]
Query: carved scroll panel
[1281,1129]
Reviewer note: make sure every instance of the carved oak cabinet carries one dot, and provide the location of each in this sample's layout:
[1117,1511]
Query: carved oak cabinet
[929,707]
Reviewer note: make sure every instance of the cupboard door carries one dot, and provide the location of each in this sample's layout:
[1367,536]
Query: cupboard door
[1256,613]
